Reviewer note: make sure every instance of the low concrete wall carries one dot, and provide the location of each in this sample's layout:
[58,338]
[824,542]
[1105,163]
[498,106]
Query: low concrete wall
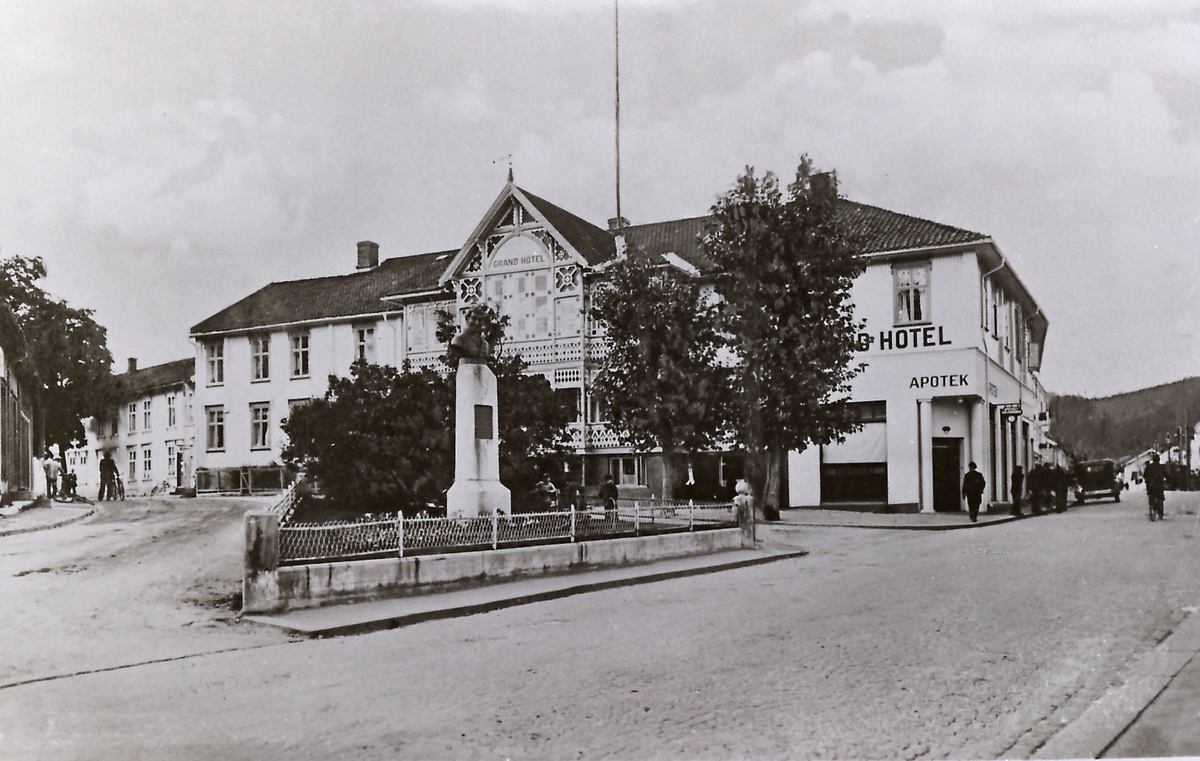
[271,589]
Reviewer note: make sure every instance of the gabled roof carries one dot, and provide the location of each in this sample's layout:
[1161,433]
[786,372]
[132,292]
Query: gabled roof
[595,244]
[329,298]
[148,379]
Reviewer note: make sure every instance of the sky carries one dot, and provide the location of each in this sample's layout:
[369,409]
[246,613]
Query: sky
[167,159]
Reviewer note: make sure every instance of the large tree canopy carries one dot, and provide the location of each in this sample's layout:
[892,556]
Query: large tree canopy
[65,348]
[660,383]
[785,267]
[383,439]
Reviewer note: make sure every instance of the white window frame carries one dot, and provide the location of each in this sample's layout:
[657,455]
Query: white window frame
[260,357]
[146,461]
[300,355]
[132,417]
[172,420]
[214,355]
[131,463]
[214,435]
[260,425]
[364,343]
[911,300]
[146,414]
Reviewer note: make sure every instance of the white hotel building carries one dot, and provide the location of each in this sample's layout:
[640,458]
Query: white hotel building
[952,342]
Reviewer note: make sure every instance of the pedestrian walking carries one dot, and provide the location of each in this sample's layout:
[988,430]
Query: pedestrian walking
[1156,484]
[108,477]
[608,493]
[972,486]
[1018,484]
[53,469]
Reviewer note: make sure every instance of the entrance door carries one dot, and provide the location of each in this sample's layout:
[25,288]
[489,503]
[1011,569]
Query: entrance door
[946,472]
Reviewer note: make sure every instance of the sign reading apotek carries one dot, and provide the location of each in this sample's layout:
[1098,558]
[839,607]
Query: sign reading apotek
[956,380]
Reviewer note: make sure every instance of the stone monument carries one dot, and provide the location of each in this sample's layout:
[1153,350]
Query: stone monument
[477,489]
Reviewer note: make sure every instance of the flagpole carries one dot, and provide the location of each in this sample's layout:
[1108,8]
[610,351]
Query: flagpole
[617,63]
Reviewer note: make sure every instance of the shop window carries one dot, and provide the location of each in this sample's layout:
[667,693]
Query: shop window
[911,283]
[869,412]
[854,482]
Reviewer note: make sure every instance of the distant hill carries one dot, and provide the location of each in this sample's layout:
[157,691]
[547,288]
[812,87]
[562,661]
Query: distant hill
[1113,427]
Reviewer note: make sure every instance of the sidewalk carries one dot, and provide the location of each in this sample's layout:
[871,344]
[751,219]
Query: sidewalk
[39,518]
[804,516]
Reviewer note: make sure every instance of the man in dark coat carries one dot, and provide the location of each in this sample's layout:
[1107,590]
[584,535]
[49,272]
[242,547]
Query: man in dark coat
[972,486]
[1018,485]
[1156,484]
[609,493]
[108,477]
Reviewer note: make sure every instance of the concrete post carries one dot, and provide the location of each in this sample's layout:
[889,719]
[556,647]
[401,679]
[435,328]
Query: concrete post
[925,432]
[260,574]
[743,507]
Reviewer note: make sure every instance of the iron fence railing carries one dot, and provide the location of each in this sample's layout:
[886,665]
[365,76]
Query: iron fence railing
[394,535]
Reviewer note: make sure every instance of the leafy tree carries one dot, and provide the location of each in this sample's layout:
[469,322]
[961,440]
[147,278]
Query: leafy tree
[785,266]
[378,441]
[65,348]
[661,383]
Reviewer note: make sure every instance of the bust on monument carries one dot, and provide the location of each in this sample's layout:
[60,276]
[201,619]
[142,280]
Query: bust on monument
[469,344]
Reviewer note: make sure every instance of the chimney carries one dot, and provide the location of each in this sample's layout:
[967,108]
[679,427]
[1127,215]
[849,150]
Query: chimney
[824,186]
[133,364]
[616,223]
[368,255]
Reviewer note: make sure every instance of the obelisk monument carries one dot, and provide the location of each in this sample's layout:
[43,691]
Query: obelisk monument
[477,489]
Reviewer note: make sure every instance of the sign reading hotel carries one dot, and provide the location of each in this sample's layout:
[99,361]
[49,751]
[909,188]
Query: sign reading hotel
[504,261]
[919,337]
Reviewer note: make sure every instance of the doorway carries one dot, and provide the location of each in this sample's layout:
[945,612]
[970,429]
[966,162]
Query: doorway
[946,473]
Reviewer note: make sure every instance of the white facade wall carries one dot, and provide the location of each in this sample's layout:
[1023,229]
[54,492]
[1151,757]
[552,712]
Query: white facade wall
[172,447]
[332,348]
[942,381]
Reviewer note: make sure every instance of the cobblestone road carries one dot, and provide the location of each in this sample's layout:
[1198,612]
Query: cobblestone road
[965,644]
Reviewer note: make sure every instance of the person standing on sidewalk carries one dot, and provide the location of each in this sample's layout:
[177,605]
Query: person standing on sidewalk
[609,493]
[972,486]
[108,477]
[52,470]
[1018,485]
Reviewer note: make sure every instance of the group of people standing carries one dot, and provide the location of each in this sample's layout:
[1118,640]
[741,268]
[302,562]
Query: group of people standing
[1047,486]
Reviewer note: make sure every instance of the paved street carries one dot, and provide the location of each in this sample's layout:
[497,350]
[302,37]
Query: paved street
[978,643]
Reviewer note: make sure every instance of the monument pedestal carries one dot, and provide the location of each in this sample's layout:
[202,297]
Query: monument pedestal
[477,489]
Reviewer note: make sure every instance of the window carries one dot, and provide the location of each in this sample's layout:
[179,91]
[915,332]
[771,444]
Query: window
[145,462]
[260,425]
[626,470]
[596,411]
[869,412]
[114,426]
[131,462]
[146,415]
[365,344]
[912,293]
[83,457]
[216,428]
[132,416]
[214,353]
[260,355]
[171,411]
[300,355]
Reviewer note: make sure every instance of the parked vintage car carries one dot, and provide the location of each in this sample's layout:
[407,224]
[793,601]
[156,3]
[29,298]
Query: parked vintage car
[1098,478]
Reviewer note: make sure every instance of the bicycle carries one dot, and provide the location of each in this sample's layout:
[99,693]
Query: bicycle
[1156,505]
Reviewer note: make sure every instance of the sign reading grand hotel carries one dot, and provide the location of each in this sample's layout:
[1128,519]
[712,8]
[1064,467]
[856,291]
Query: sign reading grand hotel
[506,261]
[905,338]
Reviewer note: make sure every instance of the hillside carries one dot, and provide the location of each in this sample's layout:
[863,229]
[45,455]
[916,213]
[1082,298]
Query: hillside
[1113,427]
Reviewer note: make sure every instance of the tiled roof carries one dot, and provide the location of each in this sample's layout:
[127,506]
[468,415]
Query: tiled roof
[148,379]
[360,293]
[880,230]
[332,297]
[595,244]
[877,231]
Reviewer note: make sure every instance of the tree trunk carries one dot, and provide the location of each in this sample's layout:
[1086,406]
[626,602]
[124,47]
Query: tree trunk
[772,499]
[674,472]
